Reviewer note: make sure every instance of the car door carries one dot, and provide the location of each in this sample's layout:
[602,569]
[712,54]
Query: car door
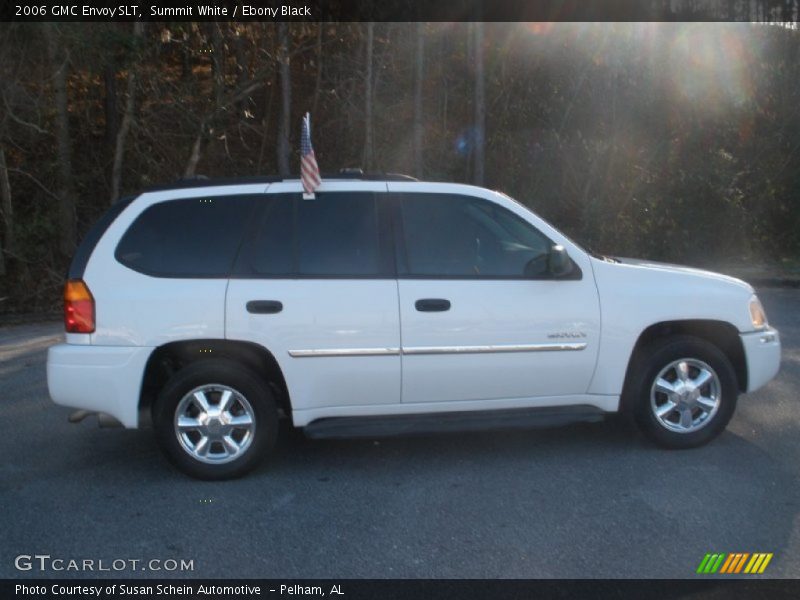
[481,318]
[315,285]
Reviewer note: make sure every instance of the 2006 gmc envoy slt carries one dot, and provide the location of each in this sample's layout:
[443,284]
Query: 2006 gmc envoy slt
[385,304]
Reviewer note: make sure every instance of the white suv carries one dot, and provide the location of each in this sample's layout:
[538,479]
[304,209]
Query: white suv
[385,305]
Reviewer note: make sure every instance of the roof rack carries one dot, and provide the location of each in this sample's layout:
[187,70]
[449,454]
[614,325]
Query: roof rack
[368,176]
[203,181]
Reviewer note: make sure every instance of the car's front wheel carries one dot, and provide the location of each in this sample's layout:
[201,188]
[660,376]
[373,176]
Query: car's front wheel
[683,391]
[215,419]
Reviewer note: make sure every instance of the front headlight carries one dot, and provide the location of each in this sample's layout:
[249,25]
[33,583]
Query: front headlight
[757,314]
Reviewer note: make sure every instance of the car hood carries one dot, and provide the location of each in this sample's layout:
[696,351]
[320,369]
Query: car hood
[683,270]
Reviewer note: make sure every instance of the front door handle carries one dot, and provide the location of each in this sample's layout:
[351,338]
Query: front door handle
[432,305]
[264,307]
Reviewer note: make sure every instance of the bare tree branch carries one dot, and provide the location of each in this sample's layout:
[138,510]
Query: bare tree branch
[41,186]
[16,119]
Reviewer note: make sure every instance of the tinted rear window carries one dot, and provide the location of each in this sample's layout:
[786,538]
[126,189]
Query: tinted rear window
[196,237]
[338,234]
[272,252]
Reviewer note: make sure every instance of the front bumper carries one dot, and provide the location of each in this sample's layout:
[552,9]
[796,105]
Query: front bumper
[106,379]
[762,351]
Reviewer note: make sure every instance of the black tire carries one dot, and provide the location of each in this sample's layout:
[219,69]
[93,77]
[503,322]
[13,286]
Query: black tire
[647,365]
[226,373]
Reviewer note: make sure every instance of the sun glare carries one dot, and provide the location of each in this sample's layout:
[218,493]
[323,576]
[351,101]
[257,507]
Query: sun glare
[710,63]
[707,64]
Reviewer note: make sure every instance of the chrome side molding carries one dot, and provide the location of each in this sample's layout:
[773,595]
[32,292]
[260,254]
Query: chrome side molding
[328,352]
[423,350]
[555,347]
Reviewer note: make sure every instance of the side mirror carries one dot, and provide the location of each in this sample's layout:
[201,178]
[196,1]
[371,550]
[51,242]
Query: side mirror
[559,263]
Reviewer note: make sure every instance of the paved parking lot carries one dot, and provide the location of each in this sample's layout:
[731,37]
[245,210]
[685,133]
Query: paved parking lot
[589,500]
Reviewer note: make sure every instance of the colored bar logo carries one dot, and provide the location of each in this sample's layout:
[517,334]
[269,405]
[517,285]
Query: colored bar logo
[735,562]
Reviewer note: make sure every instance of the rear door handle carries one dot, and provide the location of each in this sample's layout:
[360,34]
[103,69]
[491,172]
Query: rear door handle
[432,305]
[264,307]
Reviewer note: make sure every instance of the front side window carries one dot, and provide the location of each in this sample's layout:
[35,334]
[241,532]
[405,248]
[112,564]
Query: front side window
[194,237]
[465,237]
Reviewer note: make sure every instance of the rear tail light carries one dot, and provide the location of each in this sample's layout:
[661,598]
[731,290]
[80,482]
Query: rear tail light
[78,307]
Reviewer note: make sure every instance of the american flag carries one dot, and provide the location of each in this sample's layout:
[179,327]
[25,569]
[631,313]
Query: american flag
[309,170]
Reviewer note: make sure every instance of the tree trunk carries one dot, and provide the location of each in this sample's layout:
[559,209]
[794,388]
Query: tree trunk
[127,120]
[286,99]
[187,62]
[442,49]
[265,123]
[480,105]
[318,81]
[241,69]
[66,209]
[367,157]
[418,77]
[217,64]
[194,157]
[8,213]
[110,80]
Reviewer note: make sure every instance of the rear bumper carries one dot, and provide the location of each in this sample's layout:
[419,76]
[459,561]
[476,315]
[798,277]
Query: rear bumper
[104,379]
[762,350]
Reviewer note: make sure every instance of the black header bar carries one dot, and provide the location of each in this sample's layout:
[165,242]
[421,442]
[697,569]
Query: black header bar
[782,11]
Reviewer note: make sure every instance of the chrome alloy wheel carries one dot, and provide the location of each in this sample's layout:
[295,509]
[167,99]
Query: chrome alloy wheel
[685,395]
[214,423]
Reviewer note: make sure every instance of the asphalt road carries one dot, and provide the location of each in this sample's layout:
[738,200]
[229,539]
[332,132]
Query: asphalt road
[589,500]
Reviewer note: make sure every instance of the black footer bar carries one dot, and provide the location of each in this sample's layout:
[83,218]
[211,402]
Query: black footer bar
[400,589]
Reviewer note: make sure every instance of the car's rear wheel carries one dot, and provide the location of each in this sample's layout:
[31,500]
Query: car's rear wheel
[215,419]
[684,391]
